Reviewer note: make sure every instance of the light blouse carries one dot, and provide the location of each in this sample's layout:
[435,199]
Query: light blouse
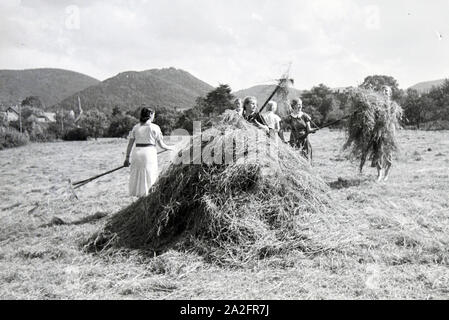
[147,133]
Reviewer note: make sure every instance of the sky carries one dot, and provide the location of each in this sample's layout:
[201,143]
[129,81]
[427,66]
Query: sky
[237,42]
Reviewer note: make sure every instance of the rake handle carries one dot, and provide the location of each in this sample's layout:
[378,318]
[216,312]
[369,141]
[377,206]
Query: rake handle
[98,176]
[269,98]
[338,120]
[83,182]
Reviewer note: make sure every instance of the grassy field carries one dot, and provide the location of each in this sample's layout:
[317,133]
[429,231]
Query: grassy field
[401,248]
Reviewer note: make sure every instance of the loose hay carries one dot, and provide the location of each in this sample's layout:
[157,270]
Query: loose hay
[261,204]
[372,127]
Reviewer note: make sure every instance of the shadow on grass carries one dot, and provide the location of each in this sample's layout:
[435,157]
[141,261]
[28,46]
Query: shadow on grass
[342,183]
[58,221]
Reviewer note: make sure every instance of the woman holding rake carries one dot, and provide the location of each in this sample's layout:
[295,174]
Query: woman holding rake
[298,123]
[144,166]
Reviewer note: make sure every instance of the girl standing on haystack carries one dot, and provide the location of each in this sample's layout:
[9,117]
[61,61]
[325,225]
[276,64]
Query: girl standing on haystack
[298,123]
[251,115]
[144,167]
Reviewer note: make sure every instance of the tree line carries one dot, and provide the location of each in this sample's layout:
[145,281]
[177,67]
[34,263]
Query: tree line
[428,110]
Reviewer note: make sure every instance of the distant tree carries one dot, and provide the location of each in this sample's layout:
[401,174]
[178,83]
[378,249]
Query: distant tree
[214,103]
[321,101]
[439,96]
[344,100]
[63,122]
[316,116]
[335,114]
[376,82]
[28,110]
[76,134]
[121,125]
[3,120]
[29,123]
[218,100]
[32,101]
[166,118]
[10,137]
[94,122]
[186,119]
[134,113]
[414,108]
[116,111]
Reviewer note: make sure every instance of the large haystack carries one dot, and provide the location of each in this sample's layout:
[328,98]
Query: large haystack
[372,126]
[263,203]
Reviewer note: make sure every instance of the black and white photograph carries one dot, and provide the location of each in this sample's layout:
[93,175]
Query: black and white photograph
[250,151]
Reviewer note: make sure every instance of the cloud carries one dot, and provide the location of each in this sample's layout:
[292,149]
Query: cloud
[256,17]
[242,43]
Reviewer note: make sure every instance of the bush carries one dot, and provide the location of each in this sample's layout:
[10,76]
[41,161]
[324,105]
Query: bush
[54,131]
[40,132]
[166,119]
[436,125]
[121,125]
[76,134]
[10,137]
[95,123]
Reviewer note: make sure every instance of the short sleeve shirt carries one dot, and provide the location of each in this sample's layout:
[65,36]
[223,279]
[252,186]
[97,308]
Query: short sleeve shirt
[148,133]
[297,124]
[272,120]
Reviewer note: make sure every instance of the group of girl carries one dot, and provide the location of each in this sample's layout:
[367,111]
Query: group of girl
[294,129]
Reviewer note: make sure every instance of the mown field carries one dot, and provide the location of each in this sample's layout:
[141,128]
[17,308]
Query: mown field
[401,248]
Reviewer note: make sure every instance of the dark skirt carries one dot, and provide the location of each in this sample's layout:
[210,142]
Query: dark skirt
[303,145]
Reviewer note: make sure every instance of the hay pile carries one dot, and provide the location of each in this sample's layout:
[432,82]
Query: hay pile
[257,206]
[371,128]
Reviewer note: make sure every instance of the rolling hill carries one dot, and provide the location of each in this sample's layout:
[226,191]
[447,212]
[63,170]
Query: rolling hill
[424,87]
[262,92]
[168,87]
[50,85]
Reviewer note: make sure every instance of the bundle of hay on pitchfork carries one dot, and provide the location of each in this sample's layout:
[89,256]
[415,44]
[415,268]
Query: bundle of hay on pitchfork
[258,204]
[372,129]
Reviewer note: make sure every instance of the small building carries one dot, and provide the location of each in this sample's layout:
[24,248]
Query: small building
[51,116]
[341,89]
[9,113]
[45,117]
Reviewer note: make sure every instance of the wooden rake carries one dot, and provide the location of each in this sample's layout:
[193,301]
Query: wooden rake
[79,184]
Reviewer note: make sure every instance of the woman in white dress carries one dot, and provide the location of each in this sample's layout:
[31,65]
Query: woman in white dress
[144,167]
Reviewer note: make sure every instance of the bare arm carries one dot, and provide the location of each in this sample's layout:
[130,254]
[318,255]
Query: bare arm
[128,151]
[129,148]
[262,126]
[309,128]
[163,145]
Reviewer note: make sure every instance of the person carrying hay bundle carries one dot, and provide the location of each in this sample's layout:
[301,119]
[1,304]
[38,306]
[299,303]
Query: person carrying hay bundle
[298,123]
[144,167]
[372,129]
